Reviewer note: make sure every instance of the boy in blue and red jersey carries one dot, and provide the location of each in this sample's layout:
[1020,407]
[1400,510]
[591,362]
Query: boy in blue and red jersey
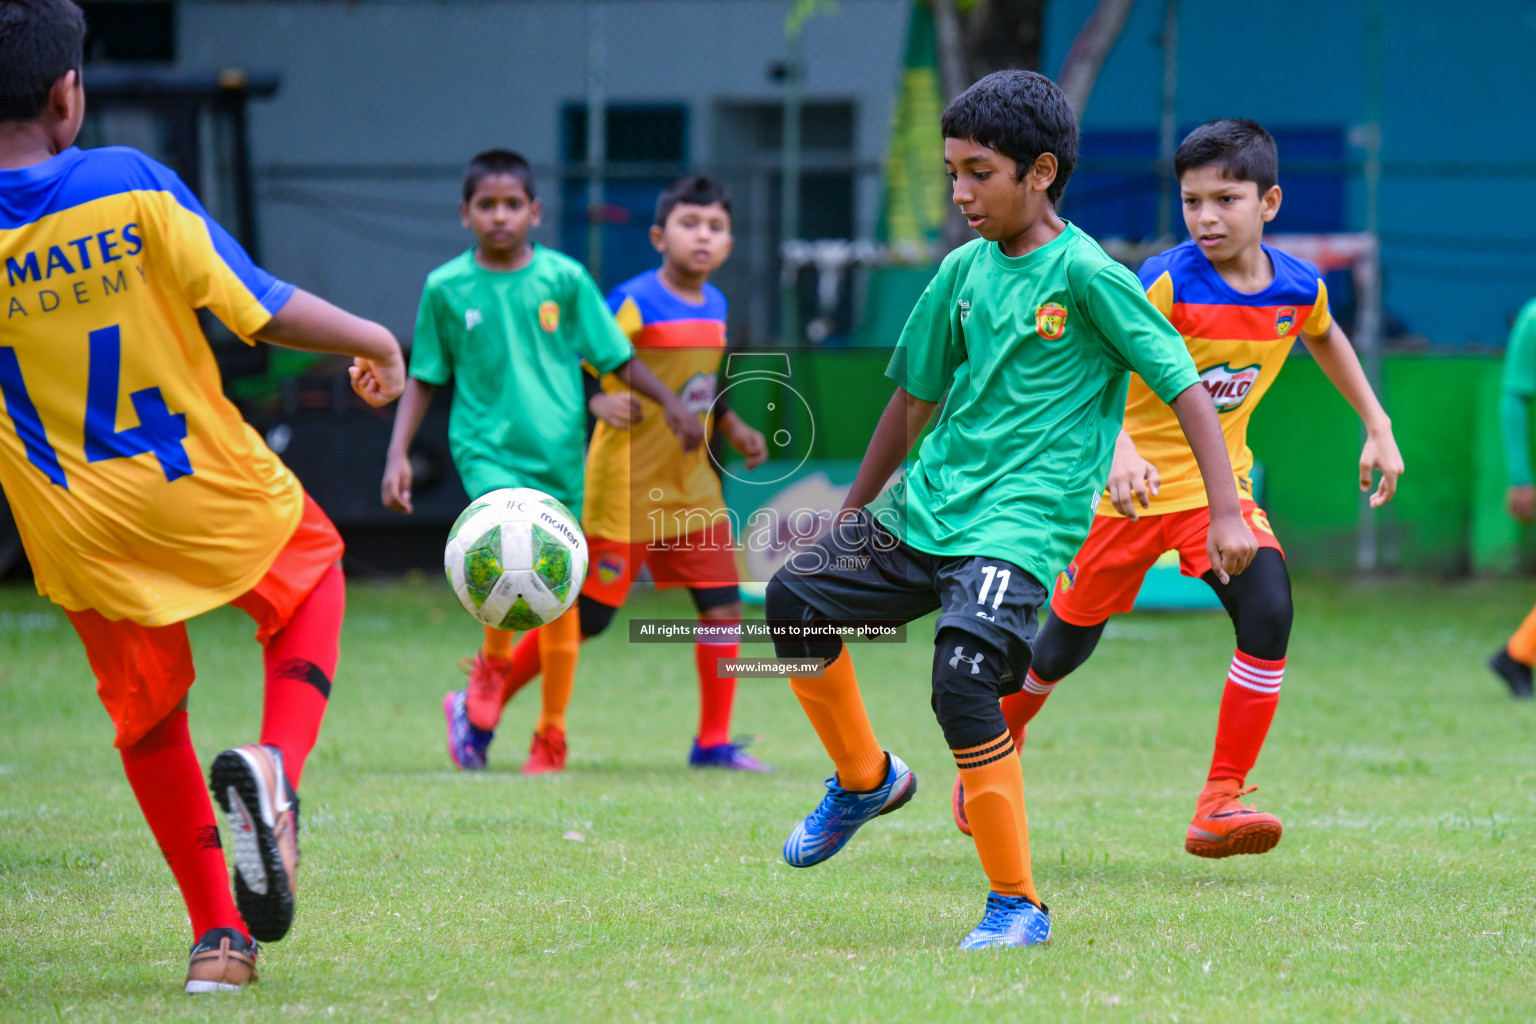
[142,497]
[1240,306]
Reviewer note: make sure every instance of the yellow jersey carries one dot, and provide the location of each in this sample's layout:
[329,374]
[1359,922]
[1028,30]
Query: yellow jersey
[1238,342]
[641,485]
[138,489]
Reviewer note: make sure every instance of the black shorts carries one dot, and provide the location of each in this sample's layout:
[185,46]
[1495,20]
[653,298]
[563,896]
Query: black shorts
[861,572]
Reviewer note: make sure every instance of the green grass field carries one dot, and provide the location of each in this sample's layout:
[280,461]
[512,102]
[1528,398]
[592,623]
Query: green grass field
[631,888]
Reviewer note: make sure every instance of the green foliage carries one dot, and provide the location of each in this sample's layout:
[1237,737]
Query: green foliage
[632,888]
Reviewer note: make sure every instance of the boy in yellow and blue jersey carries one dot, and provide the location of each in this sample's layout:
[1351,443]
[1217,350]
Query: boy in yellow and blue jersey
[142,497]
[650,503]
[1240,306]
[510,323]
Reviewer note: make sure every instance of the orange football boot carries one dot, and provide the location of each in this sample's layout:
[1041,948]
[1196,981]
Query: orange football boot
[547,754]
[1225,828]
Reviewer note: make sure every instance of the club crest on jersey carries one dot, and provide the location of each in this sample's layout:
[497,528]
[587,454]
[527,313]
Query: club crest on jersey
[1228,387]
[1051,320]
[698,393]
[549,316]
[1285,319]
[609,567]
[472,319]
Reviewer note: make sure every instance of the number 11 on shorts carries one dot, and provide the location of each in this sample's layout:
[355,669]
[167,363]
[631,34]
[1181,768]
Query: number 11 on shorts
[991,572]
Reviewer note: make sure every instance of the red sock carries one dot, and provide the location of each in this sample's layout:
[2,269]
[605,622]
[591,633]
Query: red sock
[1247,707]
[716,693]
[301,661]
[163,771]
[1019,708]
[526,665]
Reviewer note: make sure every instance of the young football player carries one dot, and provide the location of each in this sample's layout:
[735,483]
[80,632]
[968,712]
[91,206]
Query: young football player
[143,498]
[650,503]
[1512,662]
[1239,305]
[509,322]
[1031,332]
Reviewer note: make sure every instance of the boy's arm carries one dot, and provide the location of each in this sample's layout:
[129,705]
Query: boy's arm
[395,491]
[1515,419]
[310,324]
[682,422]
[743,437]
[904,419]
[1336,358]
[1132,478]
[1229,543]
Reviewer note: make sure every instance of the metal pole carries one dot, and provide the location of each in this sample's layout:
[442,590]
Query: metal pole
[597,139]
[789,191]
[1165,141]
[1368,329]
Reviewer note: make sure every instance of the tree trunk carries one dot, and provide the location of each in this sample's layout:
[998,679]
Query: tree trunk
[1090,49]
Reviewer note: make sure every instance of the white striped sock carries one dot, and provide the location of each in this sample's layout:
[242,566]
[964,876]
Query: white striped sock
[1246,674]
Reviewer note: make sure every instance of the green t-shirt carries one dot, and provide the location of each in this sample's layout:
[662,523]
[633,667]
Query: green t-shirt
[513,343]
[1034,352]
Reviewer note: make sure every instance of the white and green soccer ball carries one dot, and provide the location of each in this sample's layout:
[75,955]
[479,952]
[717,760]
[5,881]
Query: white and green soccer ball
[516,558]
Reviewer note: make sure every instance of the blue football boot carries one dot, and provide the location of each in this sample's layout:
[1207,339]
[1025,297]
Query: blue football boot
[466,744]
[1009,921]
[841,812]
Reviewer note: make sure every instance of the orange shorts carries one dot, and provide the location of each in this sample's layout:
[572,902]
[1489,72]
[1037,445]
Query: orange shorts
[1106,575]
[704,558]
[143,672]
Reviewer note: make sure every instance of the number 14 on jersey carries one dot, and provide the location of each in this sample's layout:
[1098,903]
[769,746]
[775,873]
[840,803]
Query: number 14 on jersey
[160,432]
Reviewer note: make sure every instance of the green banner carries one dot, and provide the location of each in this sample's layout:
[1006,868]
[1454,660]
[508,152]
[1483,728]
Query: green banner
[915,195]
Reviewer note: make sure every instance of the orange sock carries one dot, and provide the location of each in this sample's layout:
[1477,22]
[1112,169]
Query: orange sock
[1522,646]
[836,710]
[525,665]
[994,805]
[498,643]
[559,642]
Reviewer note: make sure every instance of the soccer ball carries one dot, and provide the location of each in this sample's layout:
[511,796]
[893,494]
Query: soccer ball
[516,558]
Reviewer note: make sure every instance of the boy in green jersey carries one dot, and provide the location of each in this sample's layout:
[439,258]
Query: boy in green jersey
[1513,661]
[1031,331]
[510,323]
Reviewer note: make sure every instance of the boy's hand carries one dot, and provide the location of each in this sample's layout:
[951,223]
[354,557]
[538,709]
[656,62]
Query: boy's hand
[1131,476]
[1380,453]
[1230,546]
[378,381]
[690,433]
[1521,502]
[749,441]
[618,409]
[396,489]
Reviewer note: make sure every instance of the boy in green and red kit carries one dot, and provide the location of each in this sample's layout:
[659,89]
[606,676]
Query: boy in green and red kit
[510,323]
